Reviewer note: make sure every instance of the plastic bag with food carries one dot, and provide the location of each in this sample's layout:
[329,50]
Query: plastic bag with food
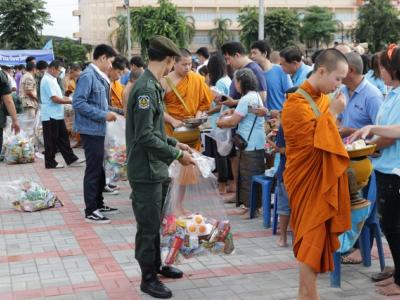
[194,219]
[28,196]
[115,151]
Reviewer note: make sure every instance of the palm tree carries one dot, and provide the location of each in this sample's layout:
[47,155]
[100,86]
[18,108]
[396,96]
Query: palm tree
[221,33]
[190,29]
[117,37]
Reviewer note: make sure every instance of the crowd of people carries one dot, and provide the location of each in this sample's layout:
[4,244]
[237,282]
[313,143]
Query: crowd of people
[302,110]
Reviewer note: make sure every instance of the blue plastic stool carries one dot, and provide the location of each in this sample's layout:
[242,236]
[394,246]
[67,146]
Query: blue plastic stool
[372,224]
[266,185]
[364,239]
[275,214]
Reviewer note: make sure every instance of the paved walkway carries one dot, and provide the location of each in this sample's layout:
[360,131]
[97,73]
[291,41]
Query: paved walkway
[54,254]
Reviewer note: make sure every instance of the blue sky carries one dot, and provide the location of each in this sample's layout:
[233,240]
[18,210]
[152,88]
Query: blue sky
[61,14]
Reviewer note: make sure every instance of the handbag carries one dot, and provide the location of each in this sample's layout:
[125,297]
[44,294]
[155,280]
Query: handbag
[239,142]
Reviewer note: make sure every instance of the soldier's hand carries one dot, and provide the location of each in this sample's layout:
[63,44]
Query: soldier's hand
[177,123]
[184,147]
[111,117]
[187,159]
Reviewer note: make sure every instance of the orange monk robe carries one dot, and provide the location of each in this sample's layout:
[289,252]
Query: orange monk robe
[197,96]
[117,90]
[316,180]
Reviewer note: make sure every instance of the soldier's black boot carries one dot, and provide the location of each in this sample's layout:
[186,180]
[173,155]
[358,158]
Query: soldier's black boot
[170,272]
[153,286]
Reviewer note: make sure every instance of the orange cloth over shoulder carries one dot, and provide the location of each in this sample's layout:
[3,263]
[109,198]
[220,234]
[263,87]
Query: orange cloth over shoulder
[117,90]
[196,94]
[316,179]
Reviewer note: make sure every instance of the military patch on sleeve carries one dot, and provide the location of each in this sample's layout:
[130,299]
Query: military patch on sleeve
[144,102]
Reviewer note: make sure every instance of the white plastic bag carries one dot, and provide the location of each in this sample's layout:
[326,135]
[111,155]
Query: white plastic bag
[19,149]
[223,138]
[194,219]
[115,151]
[28,196]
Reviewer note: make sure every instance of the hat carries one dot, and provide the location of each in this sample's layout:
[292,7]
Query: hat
[164,46]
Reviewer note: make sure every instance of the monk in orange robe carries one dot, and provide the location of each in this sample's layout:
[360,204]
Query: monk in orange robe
[187,96]
[315,175]
[117,90]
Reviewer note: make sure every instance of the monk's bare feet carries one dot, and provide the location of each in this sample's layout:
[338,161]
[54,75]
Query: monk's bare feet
[222,187]
[385,282]
[389,290]
[281,242]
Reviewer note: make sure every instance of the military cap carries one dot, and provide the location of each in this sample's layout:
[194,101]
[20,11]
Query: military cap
[164,46]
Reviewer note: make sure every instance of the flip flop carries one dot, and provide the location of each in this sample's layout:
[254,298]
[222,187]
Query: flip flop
[346,260]
[385,274]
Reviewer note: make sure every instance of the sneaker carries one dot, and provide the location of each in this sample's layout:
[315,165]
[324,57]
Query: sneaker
[107,209]
[97,218]
[109,191]
[113,186]
[78,163]
[59,166]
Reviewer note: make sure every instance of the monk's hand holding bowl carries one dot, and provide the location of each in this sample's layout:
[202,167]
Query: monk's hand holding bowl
[338,104]
[176,123]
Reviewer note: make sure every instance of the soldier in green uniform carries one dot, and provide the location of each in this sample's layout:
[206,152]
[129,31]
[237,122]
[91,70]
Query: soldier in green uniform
[149,153]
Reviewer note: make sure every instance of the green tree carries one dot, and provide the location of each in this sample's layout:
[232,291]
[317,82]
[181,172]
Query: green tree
[221,33]
[378,24]
[70,50]
[118,35]
[282,27]
[21,23]
[248,20]
[164,20]
[318,27]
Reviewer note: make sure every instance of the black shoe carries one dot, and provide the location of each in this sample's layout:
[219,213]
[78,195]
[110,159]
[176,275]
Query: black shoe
[154,287]
[170,272]
[107,209]
[97,218]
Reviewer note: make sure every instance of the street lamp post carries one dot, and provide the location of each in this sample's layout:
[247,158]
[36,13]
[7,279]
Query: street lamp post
[261,13]
[128,31]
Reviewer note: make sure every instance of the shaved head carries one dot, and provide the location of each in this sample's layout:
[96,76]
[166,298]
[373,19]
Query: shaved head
[185,53]
[343,48]
[355,62]
[329,59]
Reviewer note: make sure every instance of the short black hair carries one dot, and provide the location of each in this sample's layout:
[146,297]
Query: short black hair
[75,66]
[30,58]
[155,55]
[5,68]
[263,47]
[291,54]
[41,65]
[247,80]
[137,61]
[55,64]
[20,67]
[203,51]
[329,59]
[231,48]
[216,68]
[119,63]
[104,49]
[30,66]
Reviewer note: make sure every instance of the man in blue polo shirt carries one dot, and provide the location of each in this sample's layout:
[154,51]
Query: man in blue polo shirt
[292,64]
[278,82]
[363,98]
[235,56]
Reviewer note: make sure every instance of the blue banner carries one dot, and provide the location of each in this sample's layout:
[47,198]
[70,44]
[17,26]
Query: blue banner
[17,57]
